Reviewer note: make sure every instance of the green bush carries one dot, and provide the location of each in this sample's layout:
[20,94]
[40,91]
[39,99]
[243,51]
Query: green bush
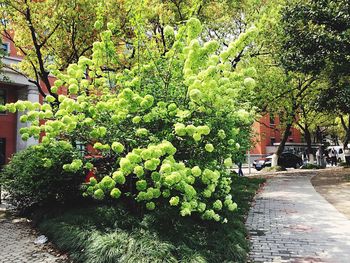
[103,234]
[310,166]
[35,176]
[344,165]
[162,141]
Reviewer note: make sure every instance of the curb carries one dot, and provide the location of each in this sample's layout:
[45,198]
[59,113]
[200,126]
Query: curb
[297,172]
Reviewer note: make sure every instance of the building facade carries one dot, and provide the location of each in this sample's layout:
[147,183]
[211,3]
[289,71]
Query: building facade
[13,87]
[268,136]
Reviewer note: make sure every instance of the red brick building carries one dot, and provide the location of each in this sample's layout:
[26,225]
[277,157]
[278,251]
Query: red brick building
[268,136]
[13,87]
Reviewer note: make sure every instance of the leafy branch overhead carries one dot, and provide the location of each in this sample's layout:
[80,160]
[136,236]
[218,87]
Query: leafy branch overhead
[50,32]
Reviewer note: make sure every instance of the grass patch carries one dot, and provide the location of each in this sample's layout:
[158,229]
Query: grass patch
[311,166]
[344,165]
[103,234]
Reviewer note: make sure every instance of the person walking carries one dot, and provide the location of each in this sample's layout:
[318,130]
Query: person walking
[240,172]
[326,156]
[334,157]
[305,157]
[318,157]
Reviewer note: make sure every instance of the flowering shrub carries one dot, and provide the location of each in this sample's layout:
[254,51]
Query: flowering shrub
[167,129]
[35,177]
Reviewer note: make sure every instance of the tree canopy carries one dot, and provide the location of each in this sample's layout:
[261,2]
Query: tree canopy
[52,32]
[317,42]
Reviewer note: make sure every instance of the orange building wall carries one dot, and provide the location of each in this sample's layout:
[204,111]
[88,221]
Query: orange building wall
[264,131]
[8,122]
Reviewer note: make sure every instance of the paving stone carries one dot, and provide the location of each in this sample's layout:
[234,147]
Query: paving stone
[17,245]
[291,222]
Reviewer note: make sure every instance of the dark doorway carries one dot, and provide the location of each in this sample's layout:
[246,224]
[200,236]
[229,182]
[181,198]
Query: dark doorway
[2,151]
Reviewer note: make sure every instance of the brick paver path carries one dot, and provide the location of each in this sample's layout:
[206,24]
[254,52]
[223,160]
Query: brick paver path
[17,245]
[291,222]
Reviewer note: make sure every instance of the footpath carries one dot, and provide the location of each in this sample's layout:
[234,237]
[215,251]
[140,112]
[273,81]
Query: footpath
[17,243]
[291,222]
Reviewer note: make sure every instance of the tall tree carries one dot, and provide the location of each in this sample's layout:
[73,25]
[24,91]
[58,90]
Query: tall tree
[314,124]
[317,42]
[282,91]
[50,32]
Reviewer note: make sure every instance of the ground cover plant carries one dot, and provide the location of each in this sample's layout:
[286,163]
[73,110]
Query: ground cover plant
[111,234]
[311,166]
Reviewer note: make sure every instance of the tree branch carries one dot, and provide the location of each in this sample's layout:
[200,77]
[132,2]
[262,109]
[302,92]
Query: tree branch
[178,9]
[345,127]
[42,73]
[237,59]
[300,126]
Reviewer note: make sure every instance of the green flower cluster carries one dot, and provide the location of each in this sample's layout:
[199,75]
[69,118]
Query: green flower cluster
[75,166]
[161,176]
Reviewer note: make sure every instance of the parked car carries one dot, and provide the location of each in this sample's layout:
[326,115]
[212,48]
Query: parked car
[340,153]
[286,160]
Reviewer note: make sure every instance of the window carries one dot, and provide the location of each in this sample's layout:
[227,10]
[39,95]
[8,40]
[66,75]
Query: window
[340,151]
[128,49]
[4,22]
[2,151]
[272,120]
[5,47]
[272,140]
[2,99]
[80,147]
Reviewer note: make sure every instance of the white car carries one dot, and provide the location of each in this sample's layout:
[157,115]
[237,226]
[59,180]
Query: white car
[340,152]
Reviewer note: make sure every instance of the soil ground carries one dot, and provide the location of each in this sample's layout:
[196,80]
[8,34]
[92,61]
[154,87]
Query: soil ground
[334,186]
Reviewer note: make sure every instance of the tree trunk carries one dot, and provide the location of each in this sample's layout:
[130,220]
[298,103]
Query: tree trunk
[345,143]
[308,140]
[319,136]
[346,127]
[281,145]
[346,139]
[284,139]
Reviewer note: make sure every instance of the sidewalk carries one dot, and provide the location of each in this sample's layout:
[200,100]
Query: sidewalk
[17,243]
[291,222]
[254,172]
